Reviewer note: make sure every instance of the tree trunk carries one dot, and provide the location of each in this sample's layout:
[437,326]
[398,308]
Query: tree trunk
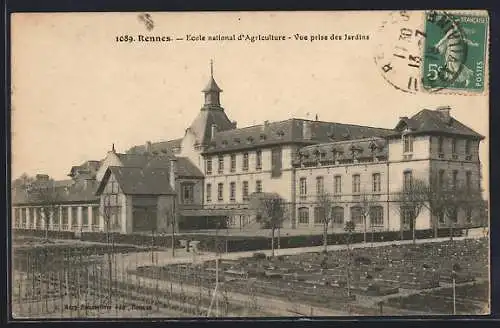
[436,226]
[414,234]
[325,236]
[272,241]
[364,229]
[451,232]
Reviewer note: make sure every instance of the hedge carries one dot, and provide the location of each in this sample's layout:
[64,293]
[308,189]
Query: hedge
[208,242]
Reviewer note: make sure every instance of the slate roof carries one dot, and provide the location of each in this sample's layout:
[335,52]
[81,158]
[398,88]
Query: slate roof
[185,168]
[202,124]
[212,86]
[63,193]
[290,131]
[139,181]
[162,147]
[343,150]
[434,121]
[86,170]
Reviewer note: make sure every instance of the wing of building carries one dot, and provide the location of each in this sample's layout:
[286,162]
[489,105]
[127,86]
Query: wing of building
[211,173]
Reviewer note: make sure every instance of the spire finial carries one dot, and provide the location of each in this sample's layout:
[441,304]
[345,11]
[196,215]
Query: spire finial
[211,68]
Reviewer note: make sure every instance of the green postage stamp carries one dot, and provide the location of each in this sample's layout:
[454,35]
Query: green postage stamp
[455,51]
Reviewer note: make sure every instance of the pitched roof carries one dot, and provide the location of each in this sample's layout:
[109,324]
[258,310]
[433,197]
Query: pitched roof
[201,126]
[62,192]
[87,169]
[161,147]
[435,121]
[139,181]
[290,131]
[185,168]
[212,86]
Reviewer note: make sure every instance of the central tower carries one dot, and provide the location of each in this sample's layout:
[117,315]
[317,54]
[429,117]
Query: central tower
[212,92]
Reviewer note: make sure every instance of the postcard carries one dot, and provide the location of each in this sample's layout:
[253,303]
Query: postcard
[249,164]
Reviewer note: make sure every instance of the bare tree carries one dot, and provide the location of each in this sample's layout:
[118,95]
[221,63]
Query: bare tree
[446,198]
[410,200]
[349,227]
[365,203]
[169,214]
[326,203]
[270,212]
[109,211]
[48,197]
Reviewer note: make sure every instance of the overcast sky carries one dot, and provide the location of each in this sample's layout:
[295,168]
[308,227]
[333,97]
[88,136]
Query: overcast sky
[76,90]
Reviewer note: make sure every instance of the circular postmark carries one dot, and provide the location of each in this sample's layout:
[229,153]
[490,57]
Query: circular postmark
[420,50]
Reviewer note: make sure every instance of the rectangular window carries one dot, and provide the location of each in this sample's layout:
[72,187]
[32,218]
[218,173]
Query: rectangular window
[221,164]
[276,162]
[258,160]
[468,180]
[220,191]
[232,191]
[233,163]
[320,188]
[245,161]
[468,215]
[454,143]
[377,216]
[407,143]
[258,186]
[303,215]
[209,166]
[441,179]
[209,192]
[376,182]
[303,187]
[337,184]
[187,193]
[468,147]
[356,184]
[407,180]
[454,180]
[440,145]
[245,190]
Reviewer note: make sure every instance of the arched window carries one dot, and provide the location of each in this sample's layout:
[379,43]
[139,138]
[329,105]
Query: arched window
[319,214]
[357,215]
[338,215]
[377,216]
[303,215]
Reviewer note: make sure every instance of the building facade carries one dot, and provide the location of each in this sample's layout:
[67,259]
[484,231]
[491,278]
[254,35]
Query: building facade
[213,170]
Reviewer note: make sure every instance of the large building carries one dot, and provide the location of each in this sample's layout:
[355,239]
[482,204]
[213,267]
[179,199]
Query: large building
[212,171]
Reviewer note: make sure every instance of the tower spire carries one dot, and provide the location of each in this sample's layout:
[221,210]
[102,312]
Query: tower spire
[212,91]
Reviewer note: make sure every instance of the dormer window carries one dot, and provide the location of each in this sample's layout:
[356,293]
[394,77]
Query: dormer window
[236,140]
[263,137]
[407,143]
[280,133]
[224,143]
[250,139]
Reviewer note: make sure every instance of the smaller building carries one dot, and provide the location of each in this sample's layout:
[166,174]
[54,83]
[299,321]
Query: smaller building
[134,199]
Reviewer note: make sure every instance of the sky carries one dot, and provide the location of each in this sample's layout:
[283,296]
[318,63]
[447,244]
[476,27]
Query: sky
[76,90]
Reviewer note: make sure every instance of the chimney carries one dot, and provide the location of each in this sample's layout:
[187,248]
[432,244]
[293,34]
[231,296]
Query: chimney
[173,172]
[445,113]
[306,130]
[213,131]
[148,147]
[234,124]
